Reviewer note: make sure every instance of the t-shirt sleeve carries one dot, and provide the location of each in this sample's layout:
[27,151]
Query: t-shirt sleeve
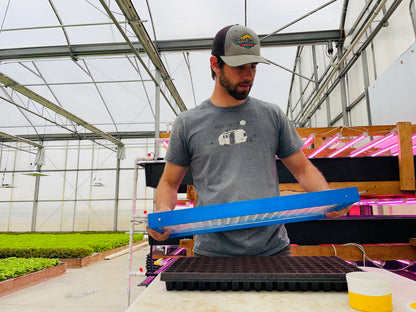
[178,152]
[289,140]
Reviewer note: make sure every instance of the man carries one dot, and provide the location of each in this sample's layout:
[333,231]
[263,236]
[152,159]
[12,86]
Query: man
[229,142]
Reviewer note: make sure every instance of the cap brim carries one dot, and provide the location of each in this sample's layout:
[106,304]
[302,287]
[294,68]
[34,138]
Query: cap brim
[238,60]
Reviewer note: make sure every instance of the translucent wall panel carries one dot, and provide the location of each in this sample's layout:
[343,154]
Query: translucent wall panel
[5,209]
[320,118]
[358,114]
[108,180]
[335,100]
[20,216]
[394,39]
[338,123]
[24,188]
[136,150]
[307,62]
[322,59]
[68,198]
[49,216]
[100,215]
[51,186]
[126,184]
[56,157]
[124,215]
[67,220]
[355,81]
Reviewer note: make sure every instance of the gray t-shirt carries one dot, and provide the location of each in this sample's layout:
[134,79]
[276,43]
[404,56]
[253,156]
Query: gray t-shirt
[231,154]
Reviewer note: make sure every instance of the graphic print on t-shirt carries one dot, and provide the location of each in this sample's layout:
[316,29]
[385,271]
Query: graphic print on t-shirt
[232,137]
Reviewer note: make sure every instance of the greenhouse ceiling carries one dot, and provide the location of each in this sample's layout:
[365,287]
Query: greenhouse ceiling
[90,69]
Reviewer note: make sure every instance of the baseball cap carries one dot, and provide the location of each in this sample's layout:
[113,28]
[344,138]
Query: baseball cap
[237,45]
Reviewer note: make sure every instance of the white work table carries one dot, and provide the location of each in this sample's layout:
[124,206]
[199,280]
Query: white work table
[156,298]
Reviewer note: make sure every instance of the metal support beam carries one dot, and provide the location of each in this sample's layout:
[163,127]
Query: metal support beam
[366,77]
[19,139]
[85,136]
[326,87]
[35,202]
[315,68]
[301,90]
[412,10]
[343,85]
[127,7]
[116,196]
[328,112]
[197,44]
[10,83]
[76,188]
[157,115]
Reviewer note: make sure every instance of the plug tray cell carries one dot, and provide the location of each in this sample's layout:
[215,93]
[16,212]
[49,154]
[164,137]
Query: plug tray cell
[252,213]
[274,273]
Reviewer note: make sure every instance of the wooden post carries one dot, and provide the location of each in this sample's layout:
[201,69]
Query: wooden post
[406,163]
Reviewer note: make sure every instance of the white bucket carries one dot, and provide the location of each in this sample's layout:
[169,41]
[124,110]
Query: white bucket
[369,291]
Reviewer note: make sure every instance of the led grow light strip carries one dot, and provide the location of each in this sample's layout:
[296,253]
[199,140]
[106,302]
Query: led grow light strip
[370,145]
[380,202]
[349,144]
[308,141]
[382,151]
[252,213]
[324,146]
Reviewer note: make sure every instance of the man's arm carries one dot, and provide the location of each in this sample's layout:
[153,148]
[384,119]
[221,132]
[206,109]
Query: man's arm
[166,193]
[309,177]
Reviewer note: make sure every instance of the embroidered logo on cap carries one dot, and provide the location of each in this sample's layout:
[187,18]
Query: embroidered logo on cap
[245,41]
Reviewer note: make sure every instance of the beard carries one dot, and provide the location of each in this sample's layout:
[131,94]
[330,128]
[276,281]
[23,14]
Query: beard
[232,89]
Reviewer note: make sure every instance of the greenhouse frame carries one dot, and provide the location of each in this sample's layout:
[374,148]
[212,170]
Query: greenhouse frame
[90,87]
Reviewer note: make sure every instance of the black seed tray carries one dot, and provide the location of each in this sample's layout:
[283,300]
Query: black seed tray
[258,273]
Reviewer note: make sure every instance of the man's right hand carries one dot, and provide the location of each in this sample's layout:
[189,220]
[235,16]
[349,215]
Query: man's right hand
[158,236]
[166,194]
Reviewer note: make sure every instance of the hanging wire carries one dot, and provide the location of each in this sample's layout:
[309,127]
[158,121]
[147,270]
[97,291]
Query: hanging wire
[188,64]
[151,22]
[20,109]
[298,19]
[100,95]
[4,17]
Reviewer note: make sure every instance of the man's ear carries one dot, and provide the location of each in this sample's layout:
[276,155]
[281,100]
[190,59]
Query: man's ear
[214,64]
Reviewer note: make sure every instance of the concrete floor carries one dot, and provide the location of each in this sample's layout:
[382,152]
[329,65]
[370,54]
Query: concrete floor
[100,287]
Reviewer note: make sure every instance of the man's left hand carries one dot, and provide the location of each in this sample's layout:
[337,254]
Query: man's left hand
[336,214]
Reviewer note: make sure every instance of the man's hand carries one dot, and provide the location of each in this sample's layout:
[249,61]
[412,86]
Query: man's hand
[166,194]
[336,214]
[156,235]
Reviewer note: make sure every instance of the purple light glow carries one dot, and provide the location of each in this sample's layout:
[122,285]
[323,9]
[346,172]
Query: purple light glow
[404,261]
[349,144]
[386,143]
[324,146]
[387,202]
[370,145]
[384,150]
[308,141]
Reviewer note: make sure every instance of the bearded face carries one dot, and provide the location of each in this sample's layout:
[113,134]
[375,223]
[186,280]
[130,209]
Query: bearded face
[239,90]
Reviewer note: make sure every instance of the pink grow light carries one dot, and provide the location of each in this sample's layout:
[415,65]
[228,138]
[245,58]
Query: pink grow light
[324,146]
[370,145]
[349,144]
[308,141]
[384,150]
